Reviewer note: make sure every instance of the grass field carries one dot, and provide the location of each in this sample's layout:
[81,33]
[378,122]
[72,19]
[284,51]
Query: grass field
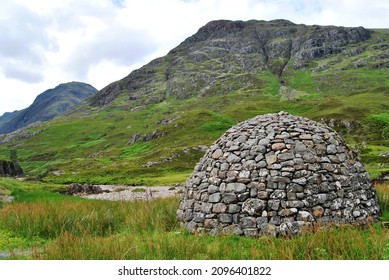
[53,226]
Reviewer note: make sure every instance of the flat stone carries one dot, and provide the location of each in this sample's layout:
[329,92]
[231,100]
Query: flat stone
[212,189]
[224,166]
[234,208]
[331,149]
[274,204]
[229,198]
[249,222]
[217,154]
[270,159]
[236,187]
[245,174]
[288,212]
[305,136]
[263,195]
[304,216]
[198,217]
[225,218]
[216,197]
[278,146]
[232,158]
[206,207]
[219,208]
[285,156]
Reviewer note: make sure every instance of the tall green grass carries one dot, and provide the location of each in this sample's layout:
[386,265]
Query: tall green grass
[50,218]
[336,243]
[92,229]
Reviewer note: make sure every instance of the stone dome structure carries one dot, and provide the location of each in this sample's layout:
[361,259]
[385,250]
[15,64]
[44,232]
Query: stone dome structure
[276,174]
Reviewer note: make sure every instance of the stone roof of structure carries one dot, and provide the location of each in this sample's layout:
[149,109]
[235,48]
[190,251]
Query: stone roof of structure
[277,174]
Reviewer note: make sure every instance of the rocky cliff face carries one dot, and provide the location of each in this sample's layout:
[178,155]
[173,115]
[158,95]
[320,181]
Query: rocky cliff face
[47,105]
[233,50]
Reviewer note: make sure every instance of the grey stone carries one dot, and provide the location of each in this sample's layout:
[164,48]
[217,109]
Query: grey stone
[245,174]
[206,207]
[274,204]
[198,217]
[219,208]
[232,158]
[225,218]
[249,222]
[295,204]
[269,229]
[243,196]
[213,189]
[230,198]
[285,156]
[233,230]
[253,206]
[250,232]
[278,194]
[331,149]
[305,216]
[216,197]
[236,187]
[301,181]
[234,208]
[224,166]
[263,195]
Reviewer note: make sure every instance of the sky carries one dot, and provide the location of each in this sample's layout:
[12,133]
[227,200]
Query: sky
[45,43]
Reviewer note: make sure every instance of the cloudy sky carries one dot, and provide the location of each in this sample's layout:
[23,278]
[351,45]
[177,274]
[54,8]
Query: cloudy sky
[45,43]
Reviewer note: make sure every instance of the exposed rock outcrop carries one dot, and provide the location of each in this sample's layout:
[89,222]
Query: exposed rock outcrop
[83,189]
[10,169]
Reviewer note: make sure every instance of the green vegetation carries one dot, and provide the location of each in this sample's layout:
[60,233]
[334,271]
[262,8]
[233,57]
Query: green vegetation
[95,149]
[63,227]
[193,95]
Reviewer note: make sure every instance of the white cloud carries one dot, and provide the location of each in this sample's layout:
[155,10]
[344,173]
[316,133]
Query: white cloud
[44,43]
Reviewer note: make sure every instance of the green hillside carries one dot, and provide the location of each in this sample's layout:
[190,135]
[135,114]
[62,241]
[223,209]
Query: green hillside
[152,126]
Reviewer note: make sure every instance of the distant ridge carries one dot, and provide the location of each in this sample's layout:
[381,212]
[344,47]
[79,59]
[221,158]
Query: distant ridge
[48,105]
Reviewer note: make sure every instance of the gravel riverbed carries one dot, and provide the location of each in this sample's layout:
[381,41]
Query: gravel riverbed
[129,193]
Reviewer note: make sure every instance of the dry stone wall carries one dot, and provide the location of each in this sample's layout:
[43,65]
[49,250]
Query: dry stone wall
[277,174]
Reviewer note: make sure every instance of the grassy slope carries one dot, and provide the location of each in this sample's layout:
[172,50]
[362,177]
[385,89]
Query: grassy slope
[94,147]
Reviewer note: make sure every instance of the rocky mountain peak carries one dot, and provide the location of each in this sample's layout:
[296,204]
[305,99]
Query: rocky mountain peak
[225,47]
[47,105]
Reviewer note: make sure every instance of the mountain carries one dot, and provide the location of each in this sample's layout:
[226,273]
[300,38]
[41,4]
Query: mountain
[235,51]
[152,126]
[47,105]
